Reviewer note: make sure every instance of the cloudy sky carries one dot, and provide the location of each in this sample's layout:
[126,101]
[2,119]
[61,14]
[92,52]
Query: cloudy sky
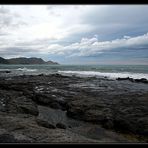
[75,34]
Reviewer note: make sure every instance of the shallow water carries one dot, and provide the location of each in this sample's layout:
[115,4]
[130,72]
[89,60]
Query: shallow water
[110,71]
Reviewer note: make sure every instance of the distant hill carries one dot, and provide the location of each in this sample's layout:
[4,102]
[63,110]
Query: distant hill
[3,61]
[24,60]
[51,62]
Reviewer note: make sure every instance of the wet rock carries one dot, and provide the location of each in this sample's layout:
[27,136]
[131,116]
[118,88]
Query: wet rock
[51,118]
[130,79]
[143,80]
[115,105]
[41,75]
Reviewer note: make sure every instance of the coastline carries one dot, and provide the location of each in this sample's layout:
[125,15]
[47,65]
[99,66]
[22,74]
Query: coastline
[72,109]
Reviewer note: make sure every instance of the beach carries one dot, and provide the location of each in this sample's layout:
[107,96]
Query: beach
[63,108]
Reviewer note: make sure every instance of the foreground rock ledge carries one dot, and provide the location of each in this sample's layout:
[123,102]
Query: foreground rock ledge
[62,109]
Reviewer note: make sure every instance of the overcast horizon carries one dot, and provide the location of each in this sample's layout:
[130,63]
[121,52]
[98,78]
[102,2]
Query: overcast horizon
[75,34]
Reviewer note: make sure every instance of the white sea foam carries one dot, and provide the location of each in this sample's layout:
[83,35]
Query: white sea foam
[26,69]
[108,75]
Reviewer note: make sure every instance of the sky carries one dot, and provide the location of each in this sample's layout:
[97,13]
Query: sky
[75,34]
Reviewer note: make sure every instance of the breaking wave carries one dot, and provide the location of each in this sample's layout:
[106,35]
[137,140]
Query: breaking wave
[108,75]
[26,69]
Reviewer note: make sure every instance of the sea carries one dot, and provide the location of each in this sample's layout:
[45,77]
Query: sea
[108,71]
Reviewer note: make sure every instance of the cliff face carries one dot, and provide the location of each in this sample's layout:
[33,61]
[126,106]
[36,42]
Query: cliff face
[23,60]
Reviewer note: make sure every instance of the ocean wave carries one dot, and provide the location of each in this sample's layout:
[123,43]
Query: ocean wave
[108,75]
[26,69]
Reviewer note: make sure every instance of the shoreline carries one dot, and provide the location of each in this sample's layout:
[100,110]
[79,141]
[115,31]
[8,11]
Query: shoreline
[73,106]
[113,75]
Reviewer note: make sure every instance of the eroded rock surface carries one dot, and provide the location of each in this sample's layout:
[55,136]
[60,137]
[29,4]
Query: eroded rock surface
[56,108]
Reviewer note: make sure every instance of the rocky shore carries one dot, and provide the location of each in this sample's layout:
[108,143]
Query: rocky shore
[69,109]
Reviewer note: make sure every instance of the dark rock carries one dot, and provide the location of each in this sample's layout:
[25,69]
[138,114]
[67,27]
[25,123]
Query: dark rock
[60,125]
[26,105]
[142,80]
[6,71]
[115,105]
[89,111]
[122,78]
[48,99]
[8,138]
[18,129]
[44,123]
[41,75]
[123,114]
[130,79]
[14,102]
[142,126]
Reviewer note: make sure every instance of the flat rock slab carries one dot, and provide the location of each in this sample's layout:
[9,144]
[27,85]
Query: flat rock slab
[51,118]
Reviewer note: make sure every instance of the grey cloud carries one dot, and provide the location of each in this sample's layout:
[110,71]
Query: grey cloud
[108,27]
[23,47]
[117,20]
[3,10]
[5,16]
[13,52]
[53,11]
[3,34]
[110,22]
[35,45]
[9,19]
